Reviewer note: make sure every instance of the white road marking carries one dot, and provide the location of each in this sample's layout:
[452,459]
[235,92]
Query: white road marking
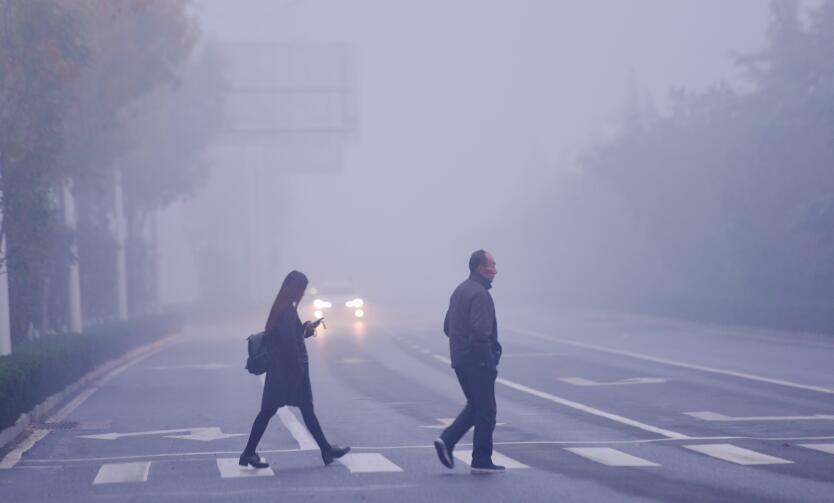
[497,458]
[153,349]
[297,430]
[826,448]
[580,381]
[229,469]
[583,408]
[674,363]
[43,463]
[737,455]
[714,416]
[15,454]
[204,434]
[610,457]
[444,423]
[201,366]
[67,409]
[529,355]
[120,473]
[13,457]
[352,360]
[370,462]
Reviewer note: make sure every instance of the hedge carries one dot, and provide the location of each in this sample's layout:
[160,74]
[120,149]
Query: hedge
[45,366]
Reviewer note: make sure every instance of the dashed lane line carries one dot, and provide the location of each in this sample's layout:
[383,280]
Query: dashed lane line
[299,432]
[583,408]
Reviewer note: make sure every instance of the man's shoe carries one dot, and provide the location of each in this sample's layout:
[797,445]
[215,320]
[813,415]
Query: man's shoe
[490,467]
[335,452]
[444,454]
[252,460]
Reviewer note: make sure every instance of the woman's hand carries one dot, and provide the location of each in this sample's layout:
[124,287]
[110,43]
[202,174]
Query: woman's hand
[311,326]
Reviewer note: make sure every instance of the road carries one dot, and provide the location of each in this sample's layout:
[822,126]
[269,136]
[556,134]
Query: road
[591,407]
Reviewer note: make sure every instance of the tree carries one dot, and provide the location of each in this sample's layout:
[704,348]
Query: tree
[39,58]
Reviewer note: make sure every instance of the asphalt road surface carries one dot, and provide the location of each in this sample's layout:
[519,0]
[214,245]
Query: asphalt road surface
[591,407]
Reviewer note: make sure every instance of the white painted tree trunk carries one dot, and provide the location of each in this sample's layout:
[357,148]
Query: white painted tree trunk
[120,226]
[5,319]
[74,283]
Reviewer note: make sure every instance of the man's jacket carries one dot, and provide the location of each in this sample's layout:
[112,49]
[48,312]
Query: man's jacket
[471,326]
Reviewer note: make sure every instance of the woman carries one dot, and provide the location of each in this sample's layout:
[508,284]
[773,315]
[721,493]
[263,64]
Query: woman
[288,375]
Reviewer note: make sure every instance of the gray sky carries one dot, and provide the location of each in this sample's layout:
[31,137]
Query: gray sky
[461,106]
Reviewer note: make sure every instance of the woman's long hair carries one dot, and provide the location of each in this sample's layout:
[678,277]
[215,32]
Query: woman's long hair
[292,289]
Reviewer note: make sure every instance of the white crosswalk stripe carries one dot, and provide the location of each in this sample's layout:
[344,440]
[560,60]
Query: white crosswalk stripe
[370,462]
[119,473]
[229,469]
[737,455]
[610,457]
[826,448]
[497,458]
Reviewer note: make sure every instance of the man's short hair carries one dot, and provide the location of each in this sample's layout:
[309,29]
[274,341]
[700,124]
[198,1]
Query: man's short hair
[478,258]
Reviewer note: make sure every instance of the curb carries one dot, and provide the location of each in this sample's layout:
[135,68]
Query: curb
[43,409]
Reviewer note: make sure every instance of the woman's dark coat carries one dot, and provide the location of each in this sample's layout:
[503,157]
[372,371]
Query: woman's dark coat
[288,375]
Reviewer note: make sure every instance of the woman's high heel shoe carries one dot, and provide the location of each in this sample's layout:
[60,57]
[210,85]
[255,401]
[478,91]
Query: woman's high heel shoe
[252,460]
[335,452]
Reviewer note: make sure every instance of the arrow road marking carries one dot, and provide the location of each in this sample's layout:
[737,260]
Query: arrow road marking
[201,434]
[714,416]
[582,407]
[580,381]
[674,363]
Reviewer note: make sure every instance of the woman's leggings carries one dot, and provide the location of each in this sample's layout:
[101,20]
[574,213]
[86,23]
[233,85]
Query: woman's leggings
[310,421]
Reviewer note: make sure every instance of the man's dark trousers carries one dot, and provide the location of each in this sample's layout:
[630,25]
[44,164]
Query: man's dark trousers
[478,384]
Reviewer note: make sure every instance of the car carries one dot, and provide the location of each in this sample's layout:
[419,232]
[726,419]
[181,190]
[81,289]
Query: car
[336,300]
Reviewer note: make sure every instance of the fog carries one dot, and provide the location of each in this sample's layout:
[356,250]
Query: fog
[465,116]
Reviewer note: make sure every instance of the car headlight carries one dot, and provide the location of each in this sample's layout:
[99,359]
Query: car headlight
[322,304]
[358,302]
[359,313]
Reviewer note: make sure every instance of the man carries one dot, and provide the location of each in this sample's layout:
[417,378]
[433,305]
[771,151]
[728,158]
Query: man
[473,345]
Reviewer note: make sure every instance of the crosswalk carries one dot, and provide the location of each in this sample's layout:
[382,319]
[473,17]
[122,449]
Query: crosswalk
[374,462]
